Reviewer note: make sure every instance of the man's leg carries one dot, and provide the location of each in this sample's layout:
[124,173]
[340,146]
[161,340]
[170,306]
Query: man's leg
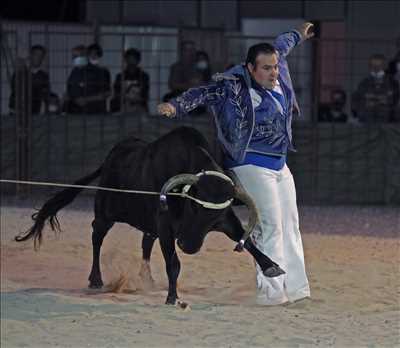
[296,281]
[261,185]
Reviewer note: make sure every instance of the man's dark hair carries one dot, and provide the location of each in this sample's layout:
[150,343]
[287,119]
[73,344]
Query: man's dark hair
[187,43]
[133,52]
[377,56]
[202,54]
[95,47]
[38,48]
[255,50]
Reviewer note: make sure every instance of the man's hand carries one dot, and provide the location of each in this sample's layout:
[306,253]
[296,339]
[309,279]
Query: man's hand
[166,109]
[306,30]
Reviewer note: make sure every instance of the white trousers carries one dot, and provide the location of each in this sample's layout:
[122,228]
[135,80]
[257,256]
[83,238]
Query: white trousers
[278,234]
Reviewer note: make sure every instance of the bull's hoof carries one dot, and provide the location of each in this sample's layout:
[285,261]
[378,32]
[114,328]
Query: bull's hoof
[273,271]
[98,284]
[171,300]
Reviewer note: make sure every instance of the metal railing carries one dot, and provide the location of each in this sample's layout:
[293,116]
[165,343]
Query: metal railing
[335,163]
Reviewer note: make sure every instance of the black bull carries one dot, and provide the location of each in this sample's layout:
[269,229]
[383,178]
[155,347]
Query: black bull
[158,166]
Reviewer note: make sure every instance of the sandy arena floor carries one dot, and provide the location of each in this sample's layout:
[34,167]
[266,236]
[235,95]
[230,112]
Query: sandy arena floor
[352,257]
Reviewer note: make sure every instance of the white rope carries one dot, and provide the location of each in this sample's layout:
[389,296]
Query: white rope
[184,194]
[40,183]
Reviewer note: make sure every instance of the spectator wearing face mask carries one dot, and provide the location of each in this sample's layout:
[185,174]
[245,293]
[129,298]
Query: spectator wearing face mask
[203,67]
[334,111]
[131,87]
[377,95]
[88,85]
[37,86]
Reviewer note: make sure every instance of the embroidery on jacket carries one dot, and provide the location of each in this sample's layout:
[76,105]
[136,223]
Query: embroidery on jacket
[240,110]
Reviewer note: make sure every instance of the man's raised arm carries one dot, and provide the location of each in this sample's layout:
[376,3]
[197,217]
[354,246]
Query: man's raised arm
[286,41]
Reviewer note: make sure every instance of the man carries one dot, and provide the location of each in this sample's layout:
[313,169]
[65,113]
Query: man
[89,84]
[334,111]
[394,72]
[38,81]
[131,88]
[253,105]
[377,95]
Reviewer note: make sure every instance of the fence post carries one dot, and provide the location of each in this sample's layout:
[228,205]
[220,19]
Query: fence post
[23,116]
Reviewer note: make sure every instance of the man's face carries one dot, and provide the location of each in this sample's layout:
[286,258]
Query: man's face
[338,101]
[77,53]
[132,61]
[94,56]
[266,71]
[36,58]
[376,65]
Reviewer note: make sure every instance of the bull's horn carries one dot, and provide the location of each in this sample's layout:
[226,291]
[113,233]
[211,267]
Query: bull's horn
[241,195]
[180,179]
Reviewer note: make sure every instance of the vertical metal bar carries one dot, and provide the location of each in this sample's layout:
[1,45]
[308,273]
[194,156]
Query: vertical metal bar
[49,130]
[66,164]
[122,113]
[367,167]
[28,134]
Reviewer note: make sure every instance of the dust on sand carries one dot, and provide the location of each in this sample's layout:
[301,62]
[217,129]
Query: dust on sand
[354,276]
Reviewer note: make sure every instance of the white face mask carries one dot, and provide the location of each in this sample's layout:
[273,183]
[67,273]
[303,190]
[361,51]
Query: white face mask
[53,108]
[80,61]
[202,65]
[94,61]
[378,75]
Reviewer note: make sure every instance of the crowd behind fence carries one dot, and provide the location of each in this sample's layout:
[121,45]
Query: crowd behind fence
[341,157]
[319,68]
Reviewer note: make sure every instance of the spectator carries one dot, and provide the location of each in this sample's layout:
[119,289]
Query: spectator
[333,112]
[394,65]
[377,95]
[88,85]
[38,81]
[131,87]
[394,71]
[183,74]
[203,67]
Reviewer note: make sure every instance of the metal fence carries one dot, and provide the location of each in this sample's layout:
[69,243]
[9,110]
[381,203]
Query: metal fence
[335,163]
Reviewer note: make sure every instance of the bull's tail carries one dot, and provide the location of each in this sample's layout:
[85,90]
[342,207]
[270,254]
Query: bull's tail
[50,209]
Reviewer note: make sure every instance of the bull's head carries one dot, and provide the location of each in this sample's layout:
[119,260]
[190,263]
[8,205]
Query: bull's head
[208,195]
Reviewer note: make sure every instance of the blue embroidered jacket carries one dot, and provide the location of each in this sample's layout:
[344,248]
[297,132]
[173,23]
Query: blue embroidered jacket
[229,99]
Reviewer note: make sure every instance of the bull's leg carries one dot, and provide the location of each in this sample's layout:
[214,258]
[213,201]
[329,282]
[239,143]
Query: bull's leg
[232,227]
[100,229]
[145,270]
[269,267]
[172,264]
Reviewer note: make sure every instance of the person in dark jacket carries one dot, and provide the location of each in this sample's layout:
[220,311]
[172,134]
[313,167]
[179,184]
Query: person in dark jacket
[89,84]
[393,71]
[377,95]
[131,87]
[37,82]
[334,111]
